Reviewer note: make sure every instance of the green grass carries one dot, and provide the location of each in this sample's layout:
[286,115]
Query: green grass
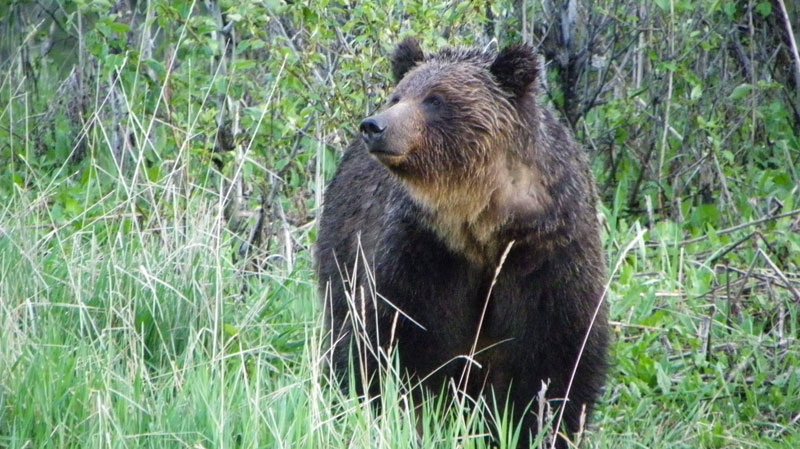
[122,334]
[127,336]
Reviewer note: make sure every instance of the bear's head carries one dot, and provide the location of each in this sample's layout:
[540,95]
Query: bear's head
[453,111]
[460,133]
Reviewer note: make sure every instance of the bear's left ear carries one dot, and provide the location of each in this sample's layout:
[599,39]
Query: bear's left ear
[515,69]
[407,54]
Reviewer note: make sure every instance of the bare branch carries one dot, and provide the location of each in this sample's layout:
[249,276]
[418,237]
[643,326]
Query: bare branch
[793,47]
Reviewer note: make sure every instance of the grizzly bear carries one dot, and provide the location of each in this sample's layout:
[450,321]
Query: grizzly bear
[460,235]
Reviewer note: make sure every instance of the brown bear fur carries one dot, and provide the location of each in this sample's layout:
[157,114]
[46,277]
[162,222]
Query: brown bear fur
[461,165]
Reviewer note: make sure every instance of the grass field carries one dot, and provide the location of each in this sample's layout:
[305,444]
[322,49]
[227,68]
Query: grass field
[131,331]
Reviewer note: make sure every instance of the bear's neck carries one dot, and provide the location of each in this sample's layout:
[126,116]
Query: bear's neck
[470,214]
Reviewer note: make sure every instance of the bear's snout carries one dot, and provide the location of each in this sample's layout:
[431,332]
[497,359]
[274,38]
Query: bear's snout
[381,142]
[372,131]
[387,134]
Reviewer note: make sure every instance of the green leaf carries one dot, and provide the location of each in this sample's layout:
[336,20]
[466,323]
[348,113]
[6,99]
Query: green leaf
[697,92]
[663,4]
[119,27]
[662,379]
[741,91]
[157,67]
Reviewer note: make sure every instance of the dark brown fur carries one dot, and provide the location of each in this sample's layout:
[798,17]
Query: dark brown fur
[461,163]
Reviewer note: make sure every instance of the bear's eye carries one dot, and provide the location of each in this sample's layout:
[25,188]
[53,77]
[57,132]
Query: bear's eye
[433,100]
[394,100]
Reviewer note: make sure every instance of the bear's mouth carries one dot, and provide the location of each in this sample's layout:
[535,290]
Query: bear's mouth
[386,154]
[378,146]
[388,158]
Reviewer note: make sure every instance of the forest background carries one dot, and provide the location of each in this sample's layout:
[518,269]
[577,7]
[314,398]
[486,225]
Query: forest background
[164,162]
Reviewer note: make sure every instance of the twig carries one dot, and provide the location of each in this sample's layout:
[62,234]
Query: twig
[793,47]
[780,274]
[715,256]
[743,225]
[668,101]
[744,281]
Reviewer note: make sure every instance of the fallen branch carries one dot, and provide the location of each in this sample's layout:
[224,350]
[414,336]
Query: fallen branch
[780,274]
[743,226]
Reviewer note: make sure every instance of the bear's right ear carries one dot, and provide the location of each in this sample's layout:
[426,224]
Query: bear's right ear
[407,54]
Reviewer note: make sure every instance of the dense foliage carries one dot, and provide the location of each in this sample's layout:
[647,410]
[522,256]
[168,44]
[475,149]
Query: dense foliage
[164,163]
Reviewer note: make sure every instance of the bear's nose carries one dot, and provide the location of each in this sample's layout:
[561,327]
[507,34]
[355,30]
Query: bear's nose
[372,130]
